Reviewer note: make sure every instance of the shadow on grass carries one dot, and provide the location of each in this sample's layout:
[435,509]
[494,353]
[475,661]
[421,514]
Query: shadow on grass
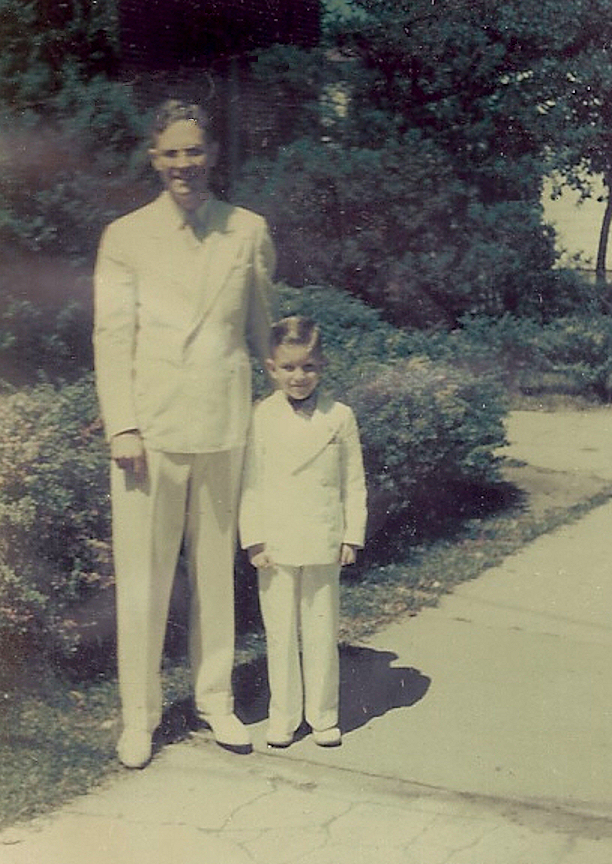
[442,518]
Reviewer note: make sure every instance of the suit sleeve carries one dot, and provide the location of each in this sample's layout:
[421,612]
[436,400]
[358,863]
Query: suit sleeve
[114,336]
[354,495]
[262,300]
[250,514]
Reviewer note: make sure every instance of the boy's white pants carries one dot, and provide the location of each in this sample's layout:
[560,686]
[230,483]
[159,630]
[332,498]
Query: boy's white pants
[302,600]
[190,496]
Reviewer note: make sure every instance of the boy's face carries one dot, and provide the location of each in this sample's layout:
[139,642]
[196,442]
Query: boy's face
[296,370]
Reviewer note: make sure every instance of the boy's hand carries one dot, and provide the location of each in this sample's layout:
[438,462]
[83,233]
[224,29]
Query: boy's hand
[127,450]
[348,555]
[259,558]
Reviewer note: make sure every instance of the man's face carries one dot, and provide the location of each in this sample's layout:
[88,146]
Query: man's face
[183,158]
[296,370]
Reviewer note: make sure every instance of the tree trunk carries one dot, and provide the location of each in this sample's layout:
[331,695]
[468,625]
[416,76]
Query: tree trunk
[602,249]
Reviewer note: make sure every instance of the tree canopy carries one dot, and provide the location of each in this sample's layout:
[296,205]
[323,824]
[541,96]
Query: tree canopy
[402,159]
[440,122]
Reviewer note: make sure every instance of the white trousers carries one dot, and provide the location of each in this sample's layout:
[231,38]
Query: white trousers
[185,497]
[301,601]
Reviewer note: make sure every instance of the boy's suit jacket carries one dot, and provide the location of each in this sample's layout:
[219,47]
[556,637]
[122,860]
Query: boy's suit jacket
[171,320]
[304,489]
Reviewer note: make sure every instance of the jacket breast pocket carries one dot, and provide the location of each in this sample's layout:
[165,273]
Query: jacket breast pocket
[328,464]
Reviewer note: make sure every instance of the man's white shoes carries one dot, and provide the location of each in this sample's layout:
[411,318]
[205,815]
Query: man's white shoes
[229,732]
[134,748]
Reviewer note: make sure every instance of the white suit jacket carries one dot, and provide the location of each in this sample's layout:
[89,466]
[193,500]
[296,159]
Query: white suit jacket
[304,490]
[172,318]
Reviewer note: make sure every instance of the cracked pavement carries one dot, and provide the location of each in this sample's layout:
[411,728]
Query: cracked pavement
[478,732]
[195,803]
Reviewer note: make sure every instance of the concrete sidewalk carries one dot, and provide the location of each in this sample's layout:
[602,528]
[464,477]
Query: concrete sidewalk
[478,732]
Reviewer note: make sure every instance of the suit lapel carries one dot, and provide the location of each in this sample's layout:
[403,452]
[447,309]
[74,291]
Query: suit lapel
[222,242]
[316,433]
[221,255]
[163,217]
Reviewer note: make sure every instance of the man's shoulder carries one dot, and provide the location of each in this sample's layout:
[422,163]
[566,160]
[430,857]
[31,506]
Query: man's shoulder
[268,404]
[235,218]
[224,216]
[147,214]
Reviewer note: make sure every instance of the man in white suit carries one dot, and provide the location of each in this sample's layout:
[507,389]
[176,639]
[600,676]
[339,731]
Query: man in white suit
[182,288]
[302,516]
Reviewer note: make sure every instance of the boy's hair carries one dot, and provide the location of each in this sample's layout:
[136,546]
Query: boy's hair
[173,110]
[296,330]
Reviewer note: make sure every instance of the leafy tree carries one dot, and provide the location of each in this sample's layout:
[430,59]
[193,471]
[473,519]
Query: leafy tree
[540,72]
[66,127]
[581,139]
[421,192]
[42,40]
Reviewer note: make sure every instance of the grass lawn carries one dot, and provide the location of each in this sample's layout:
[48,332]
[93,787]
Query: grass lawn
[57,735]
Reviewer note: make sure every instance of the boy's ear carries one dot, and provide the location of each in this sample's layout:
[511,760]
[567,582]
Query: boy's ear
[270,365]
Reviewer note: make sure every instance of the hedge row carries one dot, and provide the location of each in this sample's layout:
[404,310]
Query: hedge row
[425,427]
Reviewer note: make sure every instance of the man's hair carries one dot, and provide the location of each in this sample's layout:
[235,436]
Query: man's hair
[296,330]
[173,110]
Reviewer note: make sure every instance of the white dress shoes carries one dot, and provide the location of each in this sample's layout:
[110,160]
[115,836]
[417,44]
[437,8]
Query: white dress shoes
[331,737]
[134,748]
[279,738]
[229,732]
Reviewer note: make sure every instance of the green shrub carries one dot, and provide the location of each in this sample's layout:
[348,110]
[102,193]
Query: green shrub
[73,166]
[567,355]
[347,215]
[351,326]
[428,424]
[427,429]
[560,292]
[578,351]
[506,347]
[54,512]
[355,335]
[43,341]
[394,222]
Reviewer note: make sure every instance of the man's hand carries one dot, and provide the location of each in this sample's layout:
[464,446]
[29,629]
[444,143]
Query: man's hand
[348,555]
[127,450]
[259,557]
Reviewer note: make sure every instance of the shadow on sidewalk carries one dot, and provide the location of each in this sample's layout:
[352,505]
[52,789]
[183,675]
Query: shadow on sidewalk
[369,687]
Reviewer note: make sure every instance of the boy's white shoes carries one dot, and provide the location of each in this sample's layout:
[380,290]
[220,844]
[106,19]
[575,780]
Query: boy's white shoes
[135,747]
[331,737]
[279,738]
[229,732]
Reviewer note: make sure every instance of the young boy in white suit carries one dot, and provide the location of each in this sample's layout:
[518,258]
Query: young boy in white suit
[302,517]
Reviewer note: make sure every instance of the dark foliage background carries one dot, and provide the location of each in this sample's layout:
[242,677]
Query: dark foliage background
[400,163]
